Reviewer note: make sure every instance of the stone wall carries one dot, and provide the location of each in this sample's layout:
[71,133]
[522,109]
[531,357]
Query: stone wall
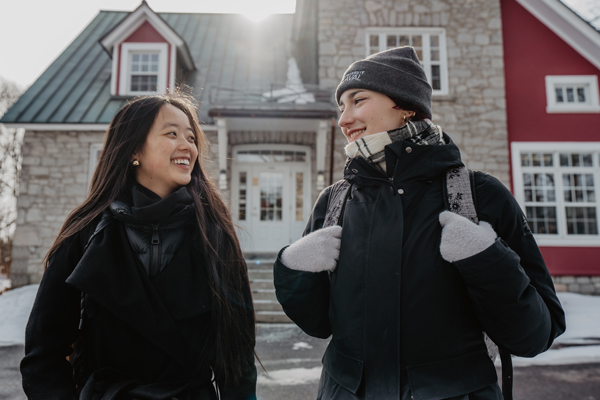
[474,111]
[577,284]
[53,181]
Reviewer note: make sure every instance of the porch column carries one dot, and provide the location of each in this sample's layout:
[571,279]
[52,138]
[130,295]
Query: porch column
[321,144]
[222,137]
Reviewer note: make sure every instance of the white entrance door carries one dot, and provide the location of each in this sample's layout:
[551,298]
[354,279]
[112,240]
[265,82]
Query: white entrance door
[270,194]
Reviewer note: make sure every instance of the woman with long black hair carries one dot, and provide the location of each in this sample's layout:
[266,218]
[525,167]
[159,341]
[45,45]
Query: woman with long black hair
[145,293]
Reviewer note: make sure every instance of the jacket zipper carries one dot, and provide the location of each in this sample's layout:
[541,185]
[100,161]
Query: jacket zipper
[154,255]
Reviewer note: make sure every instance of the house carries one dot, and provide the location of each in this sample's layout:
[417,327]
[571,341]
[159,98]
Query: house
[266,105]
[552,64]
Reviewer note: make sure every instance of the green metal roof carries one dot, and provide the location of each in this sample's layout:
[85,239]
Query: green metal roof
[229,51]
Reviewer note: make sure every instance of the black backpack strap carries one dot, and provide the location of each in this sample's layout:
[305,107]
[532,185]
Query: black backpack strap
[105,220]
[337,200]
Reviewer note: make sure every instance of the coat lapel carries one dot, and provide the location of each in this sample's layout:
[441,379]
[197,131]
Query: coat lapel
[108,273]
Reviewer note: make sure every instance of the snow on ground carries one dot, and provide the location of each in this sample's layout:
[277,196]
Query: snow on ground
[291,376]
[579,344]
[15,306]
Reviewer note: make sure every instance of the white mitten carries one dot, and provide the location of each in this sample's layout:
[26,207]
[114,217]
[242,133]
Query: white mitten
[318,251]
[462,238]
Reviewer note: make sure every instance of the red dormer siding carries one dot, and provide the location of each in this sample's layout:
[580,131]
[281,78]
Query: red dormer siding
[533,51]
[144,34]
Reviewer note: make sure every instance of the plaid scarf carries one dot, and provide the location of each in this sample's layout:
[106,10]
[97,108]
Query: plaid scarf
[371,147]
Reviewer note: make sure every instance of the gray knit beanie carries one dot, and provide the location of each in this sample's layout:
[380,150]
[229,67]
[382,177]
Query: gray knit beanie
[397,73]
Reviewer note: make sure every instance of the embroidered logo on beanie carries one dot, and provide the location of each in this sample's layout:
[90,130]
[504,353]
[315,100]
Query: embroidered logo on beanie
[353,76]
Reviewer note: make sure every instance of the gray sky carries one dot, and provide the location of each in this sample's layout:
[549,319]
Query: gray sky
[33,33]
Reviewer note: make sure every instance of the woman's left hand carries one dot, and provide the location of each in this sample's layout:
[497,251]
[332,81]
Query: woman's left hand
[462,238]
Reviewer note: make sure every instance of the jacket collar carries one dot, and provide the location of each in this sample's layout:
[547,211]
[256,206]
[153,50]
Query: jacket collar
[110,275]
[421,162]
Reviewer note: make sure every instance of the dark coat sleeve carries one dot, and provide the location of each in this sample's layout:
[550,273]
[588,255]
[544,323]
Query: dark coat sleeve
[52,329]
[510,286]
[305,295]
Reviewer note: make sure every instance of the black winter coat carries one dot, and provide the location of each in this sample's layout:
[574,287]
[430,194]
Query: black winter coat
[406,324]
[142,336]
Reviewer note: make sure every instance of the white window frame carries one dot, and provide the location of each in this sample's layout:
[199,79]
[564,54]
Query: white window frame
[589,81]
[425,32]
[125,70]
[95,150]
[561,239]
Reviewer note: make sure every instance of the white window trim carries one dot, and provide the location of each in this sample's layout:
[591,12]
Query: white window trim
[125,74]
[553,107]
[561,239]
[426,54]
[95,148]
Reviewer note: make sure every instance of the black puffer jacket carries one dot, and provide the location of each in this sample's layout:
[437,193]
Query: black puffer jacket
[142,334]
[406,324]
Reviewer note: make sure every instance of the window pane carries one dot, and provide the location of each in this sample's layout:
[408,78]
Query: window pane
[271,186]
[242,197]
[548,161]
[299,196]
[581,221]
[525,159]
[536,160]
[135,57]
[527,180]
[435,55]
[403,40]
[559,95]
[575,160]
[564,160]
[374,40]
[542,220]
[581,95]
[570,95]
[435,77]
[155,58]
[391,41]
[419,54]
[587,160]
[417,41]
[434,40]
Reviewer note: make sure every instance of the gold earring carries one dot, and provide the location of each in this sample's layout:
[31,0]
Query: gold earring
[404,118]
[136,163]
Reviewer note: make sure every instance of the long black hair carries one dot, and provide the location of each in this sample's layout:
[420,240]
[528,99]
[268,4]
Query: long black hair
[233,327]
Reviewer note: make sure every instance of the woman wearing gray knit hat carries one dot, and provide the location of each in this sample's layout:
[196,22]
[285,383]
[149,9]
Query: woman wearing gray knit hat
[404,287]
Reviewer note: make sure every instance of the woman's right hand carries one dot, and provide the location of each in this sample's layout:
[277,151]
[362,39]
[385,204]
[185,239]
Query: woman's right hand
[316,252]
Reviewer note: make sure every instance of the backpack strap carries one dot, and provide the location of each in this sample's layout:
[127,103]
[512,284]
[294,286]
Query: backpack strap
[460,193]
[105,220]
[460,198]
[336,202]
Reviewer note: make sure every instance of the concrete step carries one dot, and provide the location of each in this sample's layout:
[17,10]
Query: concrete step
[262,284]
[272,316]
[264,294]
[260,274]
[267,305]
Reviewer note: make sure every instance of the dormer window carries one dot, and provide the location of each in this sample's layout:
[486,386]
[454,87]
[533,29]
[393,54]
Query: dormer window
[143,68]
[146,54]
[144,72]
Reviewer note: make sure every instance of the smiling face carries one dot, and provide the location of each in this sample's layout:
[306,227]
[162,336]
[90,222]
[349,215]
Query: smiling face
[168,154]
[365,112]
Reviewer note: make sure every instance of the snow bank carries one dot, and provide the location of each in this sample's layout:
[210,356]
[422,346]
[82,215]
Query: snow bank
[292,376]
[15,306]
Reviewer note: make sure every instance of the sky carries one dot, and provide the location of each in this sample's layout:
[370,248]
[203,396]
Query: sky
[33,33]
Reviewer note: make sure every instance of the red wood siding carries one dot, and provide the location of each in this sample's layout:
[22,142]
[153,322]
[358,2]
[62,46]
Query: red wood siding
[572,260]
[146,34]
[532,51]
